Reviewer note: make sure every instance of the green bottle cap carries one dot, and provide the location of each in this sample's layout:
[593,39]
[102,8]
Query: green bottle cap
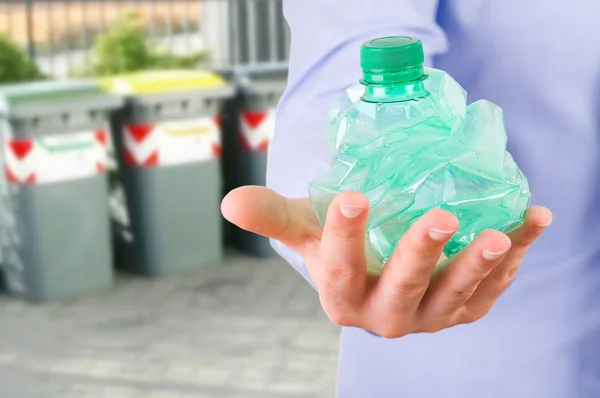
[393,59]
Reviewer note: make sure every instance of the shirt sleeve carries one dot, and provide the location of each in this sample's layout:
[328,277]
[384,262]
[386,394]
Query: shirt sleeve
[324,60]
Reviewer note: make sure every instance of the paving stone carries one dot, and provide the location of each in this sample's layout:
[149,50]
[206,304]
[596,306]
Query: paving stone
[246,329]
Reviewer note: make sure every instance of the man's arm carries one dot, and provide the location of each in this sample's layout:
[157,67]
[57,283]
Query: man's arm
[407,297]
[324,61]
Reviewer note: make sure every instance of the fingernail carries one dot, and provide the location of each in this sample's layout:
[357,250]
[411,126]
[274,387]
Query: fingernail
[439,235]
[350,211]
[490,255]
[539,228]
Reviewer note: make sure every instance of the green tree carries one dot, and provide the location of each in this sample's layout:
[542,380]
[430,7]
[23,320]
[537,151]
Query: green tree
[122,48]
[15,65]
[125,48]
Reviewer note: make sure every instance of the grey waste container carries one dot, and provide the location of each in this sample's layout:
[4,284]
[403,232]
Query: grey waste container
[55,228]
[168,141]
[248,125]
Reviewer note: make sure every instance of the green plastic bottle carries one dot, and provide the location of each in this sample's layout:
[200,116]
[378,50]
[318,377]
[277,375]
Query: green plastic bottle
[405,137]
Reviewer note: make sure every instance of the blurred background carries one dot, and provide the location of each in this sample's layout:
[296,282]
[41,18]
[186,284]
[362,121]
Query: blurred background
[123,124]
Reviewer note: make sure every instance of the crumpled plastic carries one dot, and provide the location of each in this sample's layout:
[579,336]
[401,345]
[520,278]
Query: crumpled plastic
[413,156]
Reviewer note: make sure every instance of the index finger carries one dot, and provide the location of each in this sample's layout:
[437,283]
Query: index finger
[341,276]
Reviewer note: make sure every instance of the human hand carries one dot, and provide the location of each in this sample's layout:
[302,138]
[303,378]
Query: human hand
[411,294]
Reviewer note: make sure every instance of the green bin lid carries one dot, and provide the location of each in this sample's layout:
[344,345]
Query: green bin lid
[163,82]
[53,95]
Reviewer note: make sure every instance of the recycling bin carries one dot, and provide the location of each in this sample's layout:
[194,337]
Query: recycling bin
[54,222]
[249,125]
[168,141]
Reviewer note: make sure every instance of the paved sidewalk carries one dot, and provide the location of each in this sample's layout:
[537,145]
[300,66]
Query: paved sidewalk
[249,328]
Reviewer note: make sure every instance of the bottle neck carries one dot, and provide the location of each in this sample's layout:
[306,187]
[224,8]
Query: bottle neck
[394,92]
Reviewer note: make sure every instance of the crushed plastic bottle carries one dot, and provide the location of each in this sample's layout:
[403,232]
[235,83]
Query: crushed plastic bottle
[405,138]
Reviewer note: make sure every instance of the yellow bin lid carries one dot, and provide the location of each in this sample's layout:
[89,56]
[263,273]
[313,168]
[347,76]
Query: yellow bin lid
[162,81]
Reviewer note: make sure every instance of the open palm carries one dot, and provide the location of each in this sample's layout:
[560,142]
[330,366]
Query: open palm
[413,293]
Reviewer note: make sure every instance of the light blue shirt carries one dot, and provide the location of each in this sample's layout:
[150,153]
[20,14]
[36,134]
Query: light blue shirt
[540,61]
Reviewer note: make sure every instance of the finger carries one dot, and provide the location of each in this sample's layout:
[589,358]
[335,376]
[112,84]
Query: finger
[263,211]
[407,273]
[536,220]
[341,273]
[455,284]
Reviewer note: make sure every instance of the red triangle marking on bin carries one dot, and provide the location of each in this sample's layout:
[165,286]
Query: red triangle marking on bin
[31,179]
[152,160]
[263,146]
[128,157]
[101,136]
[218,121]
[21,148]
[217,150]
[243,142]
[254,119]
[139,132]
[10,177]
[100,168]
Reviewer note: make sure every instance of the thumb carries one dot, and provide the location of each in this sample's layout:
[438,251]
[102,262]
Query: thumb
[265,212]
